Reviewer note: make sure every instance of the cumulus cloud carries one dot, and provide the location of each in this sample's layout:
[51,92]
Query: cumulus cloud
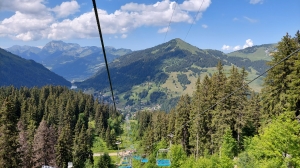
[226,47]
[194,5]
[66,9]
[249,43]
[25,27]
[80,27]
[24,6]
[163,30]
[204,26]
[256,1]
[33,20]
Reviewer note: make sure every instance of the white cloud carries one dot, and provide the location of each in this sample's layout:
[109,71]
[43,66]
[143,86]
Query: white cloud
[25,27]
[226,47]
[24,6]
[66,9]
[249,43]
[250,20]
[204,26]
[235,19]
[194,5]
[236,48]
[256,1]
[163,30]
[124,36]
[33,20]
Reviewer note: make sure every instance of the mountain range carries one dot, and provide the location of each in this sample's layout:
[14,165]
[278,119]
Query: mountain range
[18,72]
[144,78]
[69,60]
[161,74]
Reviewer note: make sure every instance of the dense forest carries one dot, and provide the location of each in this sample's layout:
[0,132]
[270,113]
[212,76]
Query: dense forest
[225,124]
[52,126]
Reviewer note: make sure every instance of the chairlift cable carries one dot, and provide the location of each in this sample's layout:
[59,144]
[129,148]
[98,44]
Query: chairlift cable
[104,54]
[170,20]
[194,20]
[233,92]
[221,100]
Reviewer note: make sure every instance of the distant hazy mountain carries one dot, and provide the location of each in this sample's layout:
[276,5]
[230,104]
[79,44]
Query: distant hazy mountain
[164,72]
[69,60]
[18,72]
[26,52]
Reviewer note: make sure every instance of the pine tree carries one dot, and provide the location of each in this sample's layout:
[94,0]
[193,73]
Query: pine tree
[195,119]
[110,138]
[182,122]
[229,145]
[43,146]
[237,102]
[294,85]
[253,115]
[81,150]
[279,93]
[63,147]
[99,127]
[171,123]
[201,117]
[159,124]
[26,141]
[104,161]
[9,156]
[220,112]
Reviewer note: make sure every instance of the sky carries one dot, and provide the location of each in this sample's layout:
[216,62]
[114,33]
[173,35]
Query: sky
[225,25]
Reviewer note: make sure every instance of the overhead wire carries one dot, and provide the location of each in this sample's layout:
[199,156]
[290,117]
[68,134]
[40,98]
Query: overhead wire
[246,84]
[170,20]
[233,92]
[194,20]
[221,100]
[104,53]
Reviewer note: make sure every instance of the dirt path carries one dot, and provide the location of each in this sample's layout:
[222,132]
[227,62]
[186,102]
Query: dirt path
[110,154]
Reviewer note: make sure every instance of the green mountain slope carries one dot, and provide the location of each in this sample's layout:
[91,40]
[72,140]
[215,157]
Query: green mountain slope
[254,53]
[162,73]
[153,64]
[18,72]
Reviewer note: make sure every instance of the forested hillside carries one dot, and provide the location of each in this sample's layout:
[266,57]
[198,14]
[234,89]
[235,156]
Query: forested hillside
[69,60]
[161,74]
[18,72]
[222,124]
[52,126]
[225,125]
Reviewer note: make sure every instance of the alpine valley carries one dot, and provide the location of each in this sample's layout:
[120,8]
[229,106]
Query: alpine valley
[69,60]
[156,77]
[150,79]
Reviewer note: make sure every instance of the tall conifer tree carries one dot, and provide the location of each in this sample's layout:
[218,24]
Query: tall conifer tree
[182,122]
[281,91]
[9,156]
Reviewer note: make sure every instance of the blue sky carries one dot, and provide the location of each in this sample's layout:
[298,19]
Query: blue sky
[225,25]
